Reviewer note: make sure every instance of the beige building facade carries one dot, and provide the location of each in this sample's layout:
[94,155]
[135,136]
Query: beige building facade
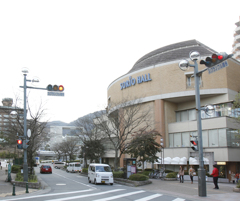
[170,93]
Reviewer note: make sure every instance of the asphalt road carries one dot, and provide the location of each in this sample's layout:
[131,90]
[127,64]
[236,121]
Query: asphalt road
[61,185]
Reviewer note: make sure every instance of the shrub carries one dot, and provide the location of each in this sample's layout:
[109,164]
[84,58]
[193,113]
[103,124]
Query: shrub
[138,177]
[168,171]
[145,172]
[19,177]
[16,168]
[238,184]
[84,170]
[172,175]
[31,178]
[118,174]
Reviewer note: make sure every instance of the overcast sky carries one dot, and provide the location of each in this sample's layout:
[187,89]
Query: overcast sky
[85,45]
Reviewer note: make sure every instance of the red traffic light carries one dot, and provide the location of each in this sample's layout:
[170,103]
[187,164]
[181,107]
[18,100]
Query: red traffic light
[193,142]
[55,88]
[61,88]
[220,57]
[19,141]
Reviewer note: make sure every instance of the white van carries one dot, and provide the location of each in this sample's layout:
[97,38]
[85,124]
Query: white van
[100,173]
[74,167]
[58,164]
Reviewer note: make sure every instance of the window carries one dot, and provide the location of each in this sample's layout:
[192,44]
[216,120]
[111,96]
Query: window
[190,81]
[205,138]
[222,137]
[213,138]
[192,114]
[171,140]
[185,139]
[177,140]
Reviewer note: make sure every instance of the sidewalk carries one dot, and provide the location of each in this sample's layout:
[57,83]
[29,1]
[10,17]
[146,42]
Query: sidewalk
[6,188]
[190,191]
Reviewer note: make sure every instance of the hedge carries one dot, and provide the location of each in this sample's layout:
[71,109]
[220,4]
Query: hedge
[172,175]
[84,170]
[138,177]
[16,168]
[145,172]
[119,174]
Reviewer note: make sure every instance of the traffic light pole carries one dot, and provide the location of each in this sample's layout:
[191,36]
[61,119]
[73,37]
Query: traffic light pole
[201,171]
[25,164]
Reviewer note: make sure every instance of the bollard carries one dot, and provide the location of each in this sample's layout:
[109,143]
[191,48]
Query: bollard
[27,187]
[13,193]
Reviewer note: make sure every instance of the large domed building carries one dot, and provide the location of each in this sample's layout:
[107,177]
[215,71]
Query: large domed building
[157,80]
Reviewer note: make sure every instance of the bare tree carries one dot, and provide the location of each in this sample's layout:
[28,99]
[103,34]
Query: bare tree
[15,129]
[144,146]
[72,147]
[121,122]
[90,137]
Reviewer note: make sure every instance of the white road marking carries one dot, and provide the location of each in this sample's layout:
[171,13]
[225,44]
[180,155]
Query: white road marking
[76,181]
[46,195]
[149,197]
[83,196]
[178,199]
[119,196]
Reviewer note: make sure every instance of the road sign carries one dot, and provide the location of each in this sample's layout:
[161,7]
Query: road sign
[29,133]
[218,67]
[53,93]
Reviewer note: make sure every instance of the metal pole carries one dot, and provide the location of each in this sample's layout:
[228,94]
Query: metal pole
[201,171]
[25,165]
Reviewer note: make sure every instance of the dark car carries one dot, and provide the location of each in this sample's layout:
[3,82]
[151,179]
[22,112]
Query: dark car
[46,169]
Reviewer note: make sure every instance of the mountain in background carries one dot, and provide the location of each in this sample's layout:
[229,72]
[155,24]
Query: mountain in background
[61,123]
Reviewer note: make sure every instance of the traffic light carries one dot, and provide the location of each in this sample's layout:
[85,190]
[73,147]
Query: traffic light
[194,145]
[216,59]
[26,144]
[59,88]
[19,144]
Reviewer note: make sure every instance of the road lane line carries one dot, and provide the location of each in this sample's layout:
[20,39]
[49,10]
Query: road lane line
[76,181]
[45,195]
[178,199]
[119,196]
[149,197]
[83,196]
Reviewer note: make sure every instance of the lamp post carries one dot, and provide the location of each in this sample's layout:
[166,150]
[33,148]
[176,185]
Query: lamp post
[25,165]
[162,152]
[183,65]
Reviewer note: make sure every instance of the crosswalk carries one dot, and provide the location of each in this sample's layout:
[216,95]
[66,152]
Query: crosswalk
[93,195]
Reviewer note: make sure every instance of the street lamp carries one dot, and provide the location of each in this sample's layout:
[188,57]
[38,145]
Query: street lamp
[25,165]
[183,65]
[162,152]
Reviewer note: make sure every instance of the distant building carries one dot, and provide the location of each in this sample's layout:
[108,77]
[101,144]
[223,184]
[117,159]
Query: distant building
[236,43]
[56,134]
[5,118]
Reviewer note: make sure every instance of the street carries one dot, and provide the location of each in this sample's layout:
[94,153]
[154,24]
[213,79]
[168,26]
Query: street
[61,185]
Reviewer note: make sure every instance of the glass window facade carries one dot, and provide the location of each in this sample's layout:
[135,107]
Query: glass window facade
[225,137]
[220,110]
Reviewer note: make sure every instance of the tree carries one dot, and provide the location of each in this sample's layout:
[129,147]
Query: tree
[121,122]
[67,148]
[15,129]
[144,146]
[91,138]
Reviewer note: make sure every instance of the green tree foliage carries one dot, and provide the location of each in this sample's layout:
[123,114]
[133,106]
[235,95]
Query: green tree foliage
[144,146]
[92,150]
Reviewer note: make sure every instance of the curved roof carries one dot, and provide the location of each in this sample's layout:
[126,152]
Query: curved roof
[172,52]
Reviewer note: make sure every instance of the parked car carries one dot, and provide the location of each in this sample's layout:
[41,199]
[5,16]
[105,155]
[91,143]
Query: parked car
[74,167]
[100,173]
[58,164]
[46,169]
